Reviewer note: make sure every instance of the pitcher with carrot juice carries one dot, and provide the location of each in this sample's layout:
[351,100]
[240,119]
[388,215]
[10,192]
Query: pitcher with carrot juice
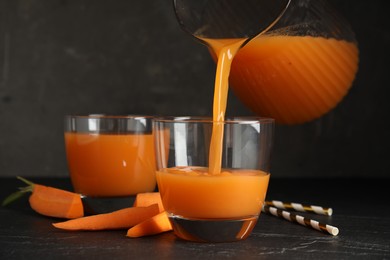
[110,156]
[295,68]
[298,69]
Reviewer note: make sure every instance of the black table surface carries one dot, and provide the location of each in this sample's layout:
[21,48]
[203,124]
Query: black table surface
[361,212]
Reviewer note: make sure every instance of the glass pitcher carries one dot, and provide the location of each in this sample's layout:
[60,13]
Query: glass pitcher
[299,67]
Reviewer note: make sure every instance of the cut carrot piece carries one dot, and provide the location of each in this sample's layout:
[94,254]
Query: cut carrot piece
[49,201]
[152,226]
[145,199]
[55,202]
[120,219]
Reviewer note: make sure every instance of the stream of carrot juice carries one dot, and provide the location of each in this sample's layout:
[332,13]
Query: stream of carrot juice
[111,165]
[227,49]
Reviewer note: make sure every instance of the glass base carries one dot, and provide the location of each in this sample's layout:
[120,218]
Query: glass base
[99,205]
[211,230]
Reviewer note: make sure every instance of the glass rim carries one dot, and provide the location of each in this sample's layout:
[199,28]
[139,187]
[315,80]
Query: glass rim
[208,119]
[108,116]
[108,124]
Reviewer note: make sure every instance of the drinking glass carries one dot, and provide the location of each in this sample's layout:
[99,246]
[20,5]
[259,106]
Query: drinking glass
[110,156]
[205,206]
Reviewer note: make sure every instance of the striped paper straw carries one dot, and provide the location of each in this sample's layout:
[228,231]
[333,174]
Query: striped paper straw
[301,220]
[300,207]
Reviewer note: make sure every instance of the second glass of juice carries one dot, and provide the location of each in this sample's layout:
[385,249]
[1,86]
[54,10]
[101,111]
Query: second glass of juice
[110,156]
[207,205]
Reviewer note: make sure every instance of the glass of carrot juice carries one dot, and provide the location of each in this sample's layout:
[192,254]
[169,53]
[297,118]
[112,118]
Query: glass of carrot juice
[110,156]
[213,176]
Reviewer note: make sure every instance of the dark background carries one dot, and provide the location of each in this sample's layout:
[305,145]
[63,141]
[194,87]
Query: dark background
[130,57]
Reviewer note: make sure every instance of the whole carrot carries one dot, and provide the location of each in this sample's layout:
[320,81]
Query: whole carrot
[119,219]
[50,201]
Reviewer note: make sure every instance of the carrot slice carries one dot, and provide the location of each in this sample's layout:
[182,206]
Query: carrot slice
[119,219]
[151,226]
[145,199]
[55,202]
[49,201]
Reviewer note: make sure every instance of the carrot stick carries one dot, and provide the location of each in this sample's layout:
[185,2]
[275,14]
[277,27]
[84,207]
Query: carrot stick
[145,199]
[50,201]
[151,226]
[119,219]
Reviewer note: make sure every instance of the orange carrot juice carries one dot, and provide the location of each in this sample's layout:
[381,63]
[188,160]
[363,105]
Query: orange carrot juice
[108,165]
[293,79]
[226,50]
[232,194]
